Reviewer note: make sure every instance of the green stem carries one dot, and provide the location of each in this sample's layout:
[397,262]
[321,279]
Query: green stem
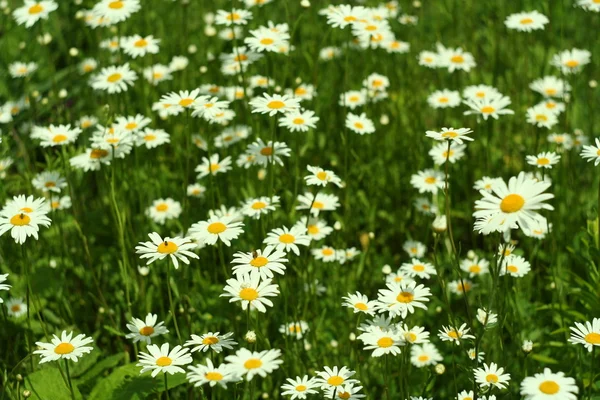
[172,306]
[166,385]
[69,379]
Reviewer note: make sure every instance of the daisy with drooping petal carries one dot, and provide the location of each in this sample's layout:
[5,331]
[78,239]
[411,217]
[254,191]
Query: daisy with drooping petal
[334,377]
[451,134]
[273,104]
[538,229]
[402,299]
[288,239]
[144,331]
[450,334]
[491,375]
[114,79]
[299,120]
[159,248]
[359,124]
[260,262]
[492,106]
[299,388]
[116,10]
[321,177]
[162,210]
[66,347]
[202,374]
[549,385]
[248,363]
[49,181]
[32,11]
[160,359]
[444,99]
[592,153]
[428,180]
[23,216]
[571,61]
[266,153]
[213,166]
[588,335]
[425,355]
[526,21]
[215,228]
[211,341]
[543,160]
[318,203]
[417,268]
[137,46]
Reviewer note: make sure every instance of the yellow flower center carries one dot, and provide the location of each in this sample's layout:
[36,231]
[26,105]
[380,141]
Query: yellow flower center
[313,229]
[405,297]
[423,358]
[216,227]
[350,18]
[449,134]
[593,338]
[233,17]
[385,342]
[458,59]
[487,109]
[475,269]
[164,361]
[361,306]
[481,95]
[15,308]
[112,140]
[549,387]
[411,337]
[167,248]
[50,184]
[276,104]
[214,167]
[266,41]
[210,340]
[141,43]
[185,102]
[335,380]
[157,75]
[572,63]
[64,348]
[87,68]
[112,78]
[301,388]
[318,205]
[550,92]
[492,378]
[443,99]
[526,21]
[541,118]
[213,376]
[454,334]
[418,268]
[59,138]
[130,126]
[430,180]
[257,205]
[248,294]
[358,125]
[259,261]
[327,252]
[149,138]
[266,151]
[115,5]
[543,161]
[322,175]
[36,9]
[27,209]
[98,153]
[512,203]
[344,395]
[162,207]
[287,238]
[253,363]
[20,220]
[147,331]
[298,121]
[300,91]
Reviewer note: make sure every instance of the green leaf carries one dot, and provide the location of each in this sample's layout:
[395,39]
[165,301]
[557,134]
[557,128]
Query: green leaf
[112,330]
[48,384]
[126,383]
[544,359]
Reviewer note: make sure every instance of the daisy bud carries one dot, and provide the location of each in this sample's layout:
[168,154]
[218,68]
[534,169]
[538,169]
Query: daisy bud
[471,255]
[144,271]
[333,343]
[73,52]
[203,69]
[440,224]
[22,45]
[552,286]
[307,346]
[371,235]
[352,337]
[578,132]
[192,49]
[78,2]
[262,173]
[527,346]
[52,264]
[593,83]
[305,3]
[440,369]
[101,310]
[337,225]
[210,56]
[210,31]
[79,15]
[62,93]
[181,310]
[364,240]
[384,120]
[250,337]
[277,88]
[386,269]
[438,309]
[298,80]
[209,18]
[47,38]
[3,4]
[19,377]
[265,395]
[26,394]
[416,4]
[44,101]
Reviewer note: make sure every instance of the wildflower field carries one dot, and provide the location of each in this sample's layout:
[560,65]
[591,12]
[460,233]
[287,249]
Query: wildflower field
[299,199]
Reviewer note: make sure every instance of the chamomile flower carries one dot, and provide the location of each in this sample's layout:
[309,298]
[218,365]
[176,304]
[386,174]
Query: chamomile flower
[160,359]
[116,10]
[417,268]
[359,303]
[60,203]
[178,102]
[162,210]
[273,104]
[16,307]
[215,228]
[589,5]
[145,330]
[425,206]
[299,120]
[299,388]
[549,385]
[480,92]
[349,391]
[553,106]
[475,266]
[265,153]
[157,73]
[87,121]
[452,334]
[571,61]
[159,248]
[318,203]
[64,347]
[213,166]
[23,216]
[550,86]
[588,335]
[414,335]
[344,255]
[455,59]
[321,177]
[151,138]
[428,180]
[592,152]
[538,229]
[288,239]
[414,248]
[325,254]
[424,355]
[3,286]
[382,342]
[235,16]
[543,159]
[359,124]
[259,206]
[138,46]
[450,134]
[260,262]
[316,229]
[59,135]
[131,124]
[444,99]
[492,106]
[542,117]
[92,159]
[429,59]
[266,39]
[209,108]
[402,299]
[305,91]
[333,378]
[353,98]
[343,15]
[211,341]
[32,11]
[296,329]
[209,374]
[526,21]
[491,375]
[440,153]
[486,183]
[248,363]
[460,286]
[49,181]
[114,79]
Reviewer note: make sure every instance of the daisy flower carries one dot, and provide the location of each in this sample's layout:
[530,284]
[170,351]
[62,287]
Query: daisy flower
[211,341]
[428,180]
[251,363]
[16,307]
[542,117]
[60,203]
[334,377]
[235,16]
[382,342]
[417,268]
[49,181]
[32,11]
[137,46]
[299,388]
[592,153]
[544,159]
[213,166]
[571,61]
[87,121]
[460,286]
[66,347]
[589,5]
[402,299]
[116,10]
[444,99]
[159,248]
[486,183]
[486,317]
[491,375]
[131,124]
[515,204]
[549,385]
[450,134]
[273,104]
[114,79]
[440,153]
[23,216]
[343,15]
[318,203]
[425,355]
[209,108]
[325,254]
[288,239]
[162,210]
[59,135]
[3,286]
[209,374]
[305,92]
[346,255]
[157,73]
[414,335]
[526,21]
[588,335]
[152,138]
[299,120]
[178,102]
[475,266]
[414,248]
[552,106]
[480,92]
[353,98]
[265,153]
[254,208]
[425,206]
[359,124]
[492,106]
[215,228]
[266,39]
[260,262]
[455,59]
[320,177]
[550,86]
[160,359]
[297,329]
[538,229]
[429,59]
[91,160]
[316,229]
[451,334]
[359,303]
[145,330]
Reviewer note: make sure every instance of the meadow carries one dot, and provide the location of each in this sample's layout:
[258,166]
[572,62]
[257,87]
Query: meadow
[299,199]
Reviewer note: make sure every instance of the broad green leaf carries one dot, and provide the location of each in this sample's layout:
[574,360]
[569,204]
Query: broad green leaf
[48,384]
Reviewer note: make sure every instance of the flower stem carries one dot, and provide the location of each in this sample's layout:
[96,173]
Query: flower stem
[172,306]
[69,379]
[166,385]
